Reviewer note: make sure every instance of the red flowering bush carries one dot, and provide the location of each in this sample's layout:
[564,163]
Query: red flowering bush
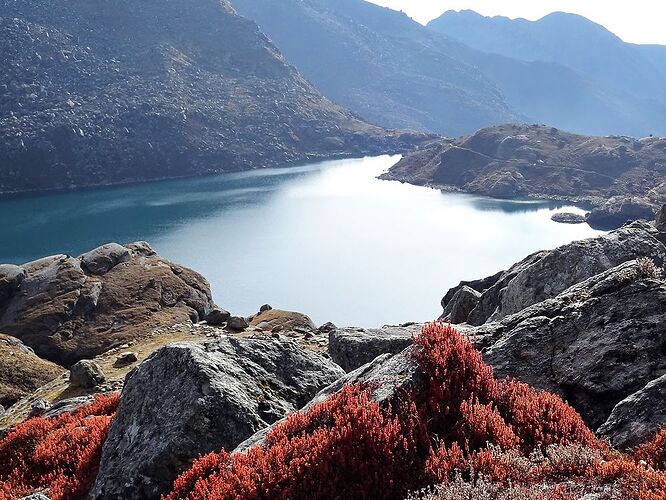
[61,454]
[654,451]
[345,447]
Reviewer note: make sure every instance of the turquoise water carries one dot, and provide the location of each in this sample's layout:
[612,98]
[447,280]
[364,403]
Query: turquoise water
[327,239]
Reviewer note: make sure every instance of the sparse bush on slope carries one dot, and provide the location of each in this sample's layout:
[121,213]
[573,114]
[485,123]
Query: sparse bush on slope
[61,454]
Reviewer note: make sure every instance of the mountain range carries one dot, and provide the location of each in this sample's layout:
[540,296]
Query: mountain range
[458,74]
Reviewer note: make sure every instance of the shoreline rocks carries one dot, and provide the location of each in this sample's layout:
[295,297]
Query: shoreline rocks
[545,274]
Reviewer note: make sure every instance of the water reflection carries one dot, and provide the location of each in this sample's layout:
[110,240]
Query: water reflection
[328,239]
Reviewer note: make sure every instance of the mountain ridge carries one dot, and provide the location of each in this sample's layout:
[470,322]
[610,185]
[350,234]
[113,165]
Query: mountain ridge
[393,71]
[100,93]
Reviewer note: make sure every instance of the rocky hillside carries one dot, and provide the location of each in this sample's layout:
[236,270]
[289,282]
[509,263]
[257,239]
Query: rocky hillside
[380,64]
[622,178]
[96,93]
[393,71]
[384,412]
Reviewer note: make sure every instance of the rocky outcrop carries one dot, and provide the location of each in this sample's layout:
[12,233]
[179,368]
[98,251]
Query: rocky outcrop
[594,344]
[192,398]
[277,320]
[352,348]
[125,92]
[637,418]
[568,218]
[21,371]
[618,210]
[86,374]
[515,161]
[545,274]
[67,313]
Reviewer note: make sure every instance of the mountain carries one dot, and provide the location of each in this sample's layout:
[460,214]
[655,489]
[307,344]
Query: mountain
[566,39]
[622,178]
[392,71]
[104,92]
[380,64]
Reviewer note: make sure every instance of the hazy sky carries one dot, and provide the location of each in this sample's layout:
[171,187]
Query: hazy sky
[637,21]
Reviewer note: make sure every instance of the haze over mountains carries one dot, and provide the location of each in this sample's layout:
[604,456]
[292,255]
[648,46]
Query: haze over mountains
[444,78]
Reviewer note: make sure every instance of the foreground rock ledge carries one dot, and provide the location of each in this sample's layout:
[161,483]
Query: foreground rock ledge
[193,398]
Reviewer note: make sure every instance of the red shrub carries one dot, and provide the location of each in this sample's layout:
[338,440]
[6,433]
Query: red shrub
[541,418]
[445,462]
[60,453]
[482,424]
[503,432]
[346,447]
[455,373]
[654,451]
[636,481]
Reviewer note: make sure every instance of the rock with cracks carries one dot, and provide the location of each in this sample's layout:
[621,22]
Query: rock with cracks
[545,274]
[354,347]
[193,398]
[637,418]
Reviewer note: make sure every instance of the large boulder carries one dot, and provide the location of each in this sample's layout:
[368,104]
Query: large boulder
[102,259]
[66,313]
[86,374]
[21,371]
[218,317]
[279,320]
[545,274]
[354,347]
[637,418]
[192,398]
[462,303]
[594,344]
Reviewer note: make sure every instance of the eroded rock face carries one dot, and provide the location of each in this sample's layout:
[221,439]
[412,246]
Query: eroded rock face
[594,344]
[545,274]
[21,371]
[102,259]
[67,313]
[638,417]
[192,398]
[352,348]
